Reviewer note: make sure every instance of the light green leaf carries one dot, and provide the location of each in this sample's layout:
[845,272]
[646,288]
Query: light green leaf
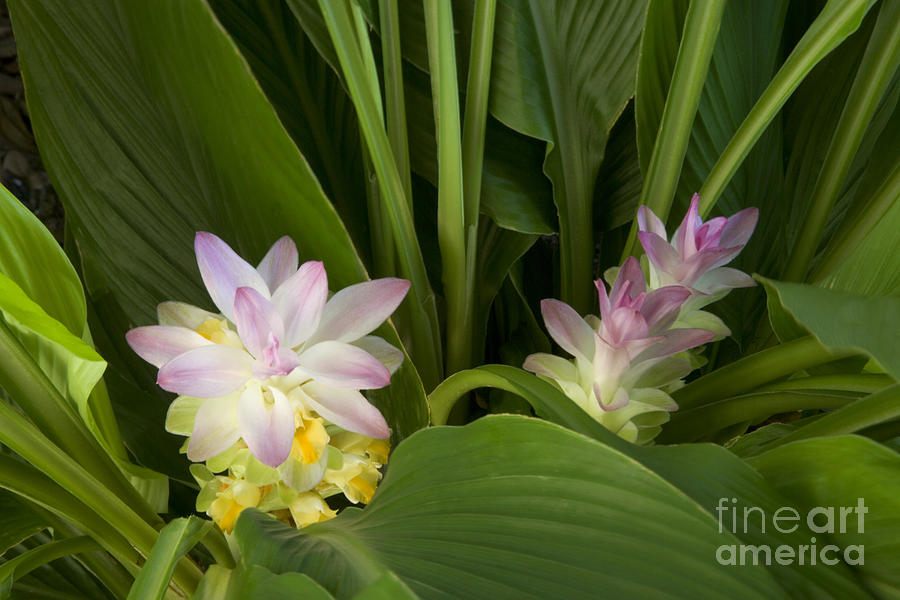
[840,472]
[255,581]
[25,563]
[386,587]
[175,540]
[153,127]
[563,72]
[841,320]
[510,506]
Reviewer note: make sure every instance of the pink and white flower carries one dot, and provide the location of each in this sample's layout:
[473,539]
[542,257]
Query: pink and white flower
[277,333]
[697,251]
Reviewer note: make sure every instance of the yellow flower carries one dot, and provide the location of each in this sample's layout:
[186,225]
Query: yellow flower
[232,498]
[356,478]
[308,508]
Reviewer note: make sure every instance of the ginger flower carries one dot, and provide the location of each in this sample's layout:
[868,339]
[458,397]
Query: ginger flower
[280,347]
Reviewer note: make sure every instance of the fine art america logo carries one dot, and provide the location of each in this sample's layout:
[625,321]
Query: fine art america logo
[823,520]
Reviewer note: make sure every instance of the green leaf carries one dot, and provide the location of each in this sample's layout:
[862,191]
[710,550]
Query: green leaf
[177,138]
[17,520]
[23,564]
[563,73]
[840,320]
[839,472]
[31,257]
[255,581]
[386,587]
[510,506]
[175,540]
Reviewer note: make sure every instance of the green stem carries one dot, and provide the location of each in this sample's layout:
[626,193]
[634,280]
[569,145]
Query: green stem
[392,61]
[875,73]
[452,213]
[425,333]
[26,440]
[881,407]
[858,382]
[852,234]
[837,20]
[752,371]
[24,564]
[698,39]
[691,425]
[24,381]
[215,542]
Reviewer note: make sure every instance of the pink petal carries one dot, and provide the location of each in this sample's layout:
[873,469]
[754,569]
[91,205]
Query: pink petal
[675,341]
[662,305]
[605,305]
[275,360]
[279,263]
[629,273]
[206,372]
[625,324]
[723,278]
[341,365]
[648,221]
[158,344]
[683,240]
[181,314]
[347,409]
[705,260]
[739,228]
[266,424]
[257,320]
[215,428]
[300,301]
[358,309]
[224,272]
[663,256]
[568,329]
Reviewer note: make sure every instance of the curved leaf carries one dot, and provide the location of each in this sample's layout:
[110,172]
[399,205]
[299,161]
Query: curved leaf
[175,540]
[511,506]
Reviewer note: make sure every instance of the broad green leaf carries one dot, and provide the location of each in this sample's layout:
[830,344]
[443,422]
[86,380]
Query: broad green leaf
[386,587]
[708,473]
[255,581]
[563,72]
[842,472]
[175,540]
[511,507]
[309,98]
[842,320]
[619,183]
[17,520]
[152,127]
[31,257]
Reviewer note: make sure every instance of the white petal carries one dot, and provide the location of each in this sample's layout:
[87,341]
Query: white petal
[300,301]
[387,354]
[158,344]
[266,423]
[342,365]
[215,428]
[181,314]
[207,372]
[347,409]
[223,272]
[256,320]
[357,310]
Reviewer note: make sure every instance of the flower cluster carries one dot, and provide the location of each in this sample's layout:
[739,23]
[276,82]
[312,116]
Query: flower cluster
[269,388]
[627,360]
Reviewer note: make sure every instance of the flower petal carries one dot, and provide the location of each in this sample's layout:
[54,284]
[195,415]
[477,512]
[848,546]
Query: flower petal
[266,423]
[663,256]
[648,221]
[181,314]
[548,365]
[630,273]
[674,341]
[279,263]
[739,228]
[684,240]
[256,320]
[158,344]
[215,428]
[341,365]
[723,278]
[568,329]
[661,306]
[386,354]
[300,301]
[206,372]
[347,409]
[358,309]
[223,272]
